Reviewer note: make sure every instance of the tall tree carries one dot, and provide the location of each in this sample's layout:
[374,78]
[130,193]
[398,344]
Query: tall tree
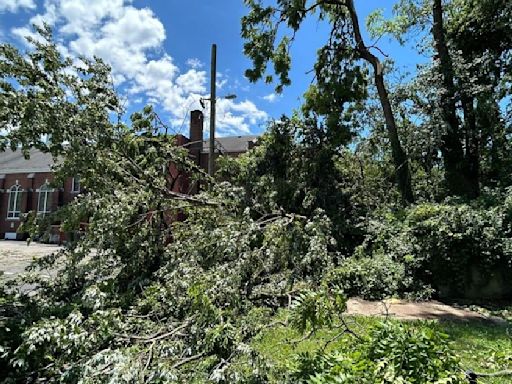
[457,173]
[468,81]
[336,67]
[480,33]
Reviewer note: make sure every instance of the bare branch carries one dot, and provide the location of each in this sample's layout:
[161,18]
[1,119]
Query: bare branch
[188,360]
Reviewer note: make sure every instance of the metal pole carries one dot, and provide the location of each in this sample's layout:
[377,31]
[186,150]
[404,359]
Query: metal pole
[213,75]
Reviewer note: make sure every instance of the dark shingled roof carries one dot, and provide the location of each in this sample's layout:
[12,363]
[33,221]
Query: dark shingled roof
[15,162]
[232,144]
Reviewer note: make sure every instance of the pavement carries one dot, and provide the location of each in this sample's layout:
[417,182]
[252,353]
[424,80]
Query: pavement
[15,256]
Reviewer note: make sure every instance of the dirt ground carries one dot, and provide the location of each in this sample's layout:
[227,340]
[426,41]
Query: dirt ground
[16,255]
[405,310]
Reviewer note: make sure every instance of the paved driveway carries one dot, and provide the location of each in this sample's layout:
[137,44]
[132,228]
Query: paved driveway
[16,255]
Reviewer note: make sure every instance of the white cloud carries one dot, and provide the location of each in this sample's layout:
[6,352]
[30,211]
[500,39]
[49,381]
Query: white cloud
[80,16]
[241,115]
[15,5]
[221,83]
[192,81]
[195,63]
[136,27]
[131,40]
[156,74]
[272,97]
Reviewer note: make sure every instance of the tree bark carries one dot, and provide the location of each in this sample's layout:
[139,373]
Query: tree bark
[457,176]
[472,145]
[400,159]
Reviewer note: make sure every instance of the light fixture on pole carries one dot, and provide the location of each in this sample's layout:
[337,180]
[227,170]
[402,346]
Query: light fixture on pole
[203,99]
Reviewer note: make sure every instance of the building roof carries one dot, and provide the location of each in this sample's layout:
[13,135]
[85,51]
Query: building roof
[231,144]
[39,162]
[15,162]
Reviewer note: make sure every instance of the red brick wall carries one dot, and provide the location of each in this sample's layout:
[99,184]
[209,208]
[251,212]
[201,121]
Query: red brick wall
[67,194]
[29,197]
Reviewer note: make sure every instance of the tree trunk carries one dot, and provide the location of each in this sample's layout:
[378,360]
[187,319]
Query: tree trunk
[472,145]
[400,159]
[456,168]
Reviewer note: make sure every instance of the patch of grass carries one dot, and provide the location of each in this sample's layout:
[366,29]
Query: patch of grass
[481,346]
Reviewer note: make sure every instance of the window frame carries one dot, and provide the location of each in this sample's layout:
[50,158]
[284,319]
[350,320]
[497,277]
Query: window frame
[15,213]
[74,184]
[45,188]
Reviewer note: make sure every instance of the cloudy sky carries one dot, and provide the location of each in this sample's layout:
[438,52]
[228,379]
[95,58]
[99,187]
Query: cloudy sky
[159,51]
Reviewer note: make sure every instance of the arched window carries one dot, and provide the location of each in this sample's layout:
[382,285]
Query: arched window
[45,199]
[14,207]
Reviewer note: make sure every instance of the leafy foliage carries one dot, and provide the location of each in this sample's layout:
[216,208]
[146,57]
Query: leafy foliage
[440,243]
[372,278]
[471,75]
[142,296]
[339,87]
[295,168]
[391,353]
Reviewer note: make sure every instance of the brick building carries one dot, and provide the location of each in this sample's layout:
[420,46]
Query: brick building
[224,146]
[25,187]
[25,183]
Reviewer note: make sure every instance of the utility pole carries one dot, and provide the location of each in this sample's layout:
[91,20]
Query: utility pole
[213,76]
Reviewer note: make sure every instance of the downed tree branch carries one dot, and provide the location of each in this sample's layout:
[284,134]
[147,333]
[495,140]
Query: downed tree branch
[148,362]
[346,329]
[473,376]
[155,337]
[188,360]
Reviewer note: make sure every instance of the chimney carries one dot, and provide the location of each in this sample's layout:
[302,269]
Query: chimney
[196,133]
[251,144]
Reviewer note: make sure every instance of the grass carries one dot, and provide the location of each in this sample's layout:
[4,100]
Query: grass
[481,346]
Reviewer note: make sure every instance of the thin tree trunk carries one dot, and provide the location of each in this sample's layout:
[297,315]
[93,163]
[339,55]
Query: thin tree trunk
[455,165]
[400,160]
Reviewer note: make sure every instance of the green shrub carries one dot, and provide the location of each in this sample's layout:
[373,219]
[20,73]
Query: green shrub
[369,277]
[444,244]
[392,353]
[404,353]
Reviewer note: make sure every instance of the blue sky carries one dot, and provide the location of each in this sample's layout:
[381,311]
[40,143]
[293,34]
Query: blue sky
[160,53]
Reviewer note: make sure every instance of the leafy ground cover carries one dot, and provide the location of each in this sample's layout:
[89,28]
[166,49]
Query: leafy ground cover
[490,309]
[480,345]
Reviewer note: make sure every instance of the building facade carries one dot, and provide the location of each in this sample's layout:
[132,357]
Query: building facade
[25,183]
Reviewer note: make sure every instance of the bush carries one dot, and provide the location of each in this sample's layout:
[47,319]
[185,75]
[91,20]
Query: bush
[457,248]
[371,278]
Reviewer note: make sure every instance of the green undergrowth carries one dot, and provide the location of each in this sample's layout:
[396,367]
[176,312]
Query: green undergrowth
[480,346]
